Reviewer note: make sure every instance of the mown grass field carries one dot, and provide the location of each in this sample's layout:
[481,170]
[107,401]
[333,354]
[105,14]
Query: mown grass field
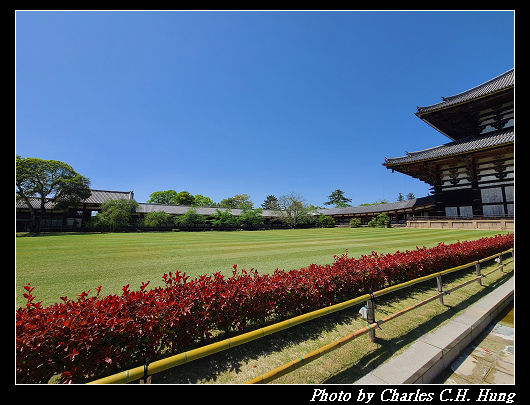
[66,265]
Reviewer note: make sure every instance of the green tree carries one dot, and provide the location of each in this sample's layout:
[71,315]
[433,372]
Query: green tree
[163,197]
[241,201]
[291,209]
[325,221]
[251,218]
[114,214]
[223,218]
[228,203]
[400,197]
[270,203]
[410,196]
[156,219]
[184,198]
[381,221]
[48,180]
[171,197]
[202,201]
[355,223]
[338,199]
[190,218]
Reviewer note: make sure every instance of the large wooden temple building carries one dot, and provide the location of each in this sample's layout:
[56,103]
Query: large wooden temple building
[473,175]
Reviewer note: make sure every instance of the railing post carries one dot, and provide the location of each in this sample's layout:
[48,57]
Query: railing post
[146,379]
[500,264]
[370,316]
[478,269]
[440,289]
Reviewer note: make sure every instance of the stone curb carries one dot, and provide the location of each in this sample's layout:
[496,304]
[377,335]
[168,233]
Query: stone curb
[433,352]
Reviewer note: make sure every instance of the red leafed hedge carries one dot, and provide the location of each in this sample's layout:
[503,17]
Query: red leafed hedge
[95,336]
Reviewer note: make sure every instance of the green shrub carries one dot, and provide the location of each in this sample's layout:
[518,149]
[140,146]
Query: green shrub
[114,214]
[355,223]
[156,219]
[251,218]
[190,218]
[324,221]
[223,218]
[381,221]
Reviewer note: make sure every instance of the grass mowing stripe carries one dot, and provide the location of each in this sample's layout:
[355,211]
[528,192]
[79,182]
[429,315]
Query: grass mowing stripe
[69,264]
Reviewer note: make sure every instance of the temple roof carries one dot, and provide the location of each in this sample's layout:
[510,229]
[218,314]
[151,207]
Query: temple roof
[464,145]
[494,85]
[376,208]
[100,196]
[96,197]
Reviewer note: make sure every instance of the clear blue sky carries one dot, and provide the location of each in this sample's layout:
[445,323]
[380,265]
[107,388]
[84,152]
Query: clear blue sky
[225,103]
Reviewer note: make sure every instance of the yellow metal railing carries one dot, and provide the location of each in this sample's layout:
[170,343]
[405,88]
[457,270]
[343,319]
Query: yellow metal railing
[304,360]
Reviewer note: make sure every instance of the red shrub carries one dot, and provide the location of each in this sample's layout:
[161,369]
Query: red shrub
[95,336]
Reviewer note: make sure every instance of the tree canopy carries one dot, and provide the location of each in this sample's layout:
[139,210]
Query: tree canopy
[114,214]
[241,201]
[202,201]
[291,209]
[171,197]
[163,197]
[270,203]
[49,180]
[338,199]
[251,218]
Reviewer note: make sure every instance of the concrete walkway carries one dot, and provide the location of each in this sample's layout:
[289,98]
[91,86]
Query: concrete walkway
[436,351]
[490,359]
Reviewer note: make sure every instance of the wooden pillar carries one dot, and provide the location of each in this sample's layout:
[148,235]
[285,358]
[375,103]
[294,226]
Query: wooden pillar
[85,216]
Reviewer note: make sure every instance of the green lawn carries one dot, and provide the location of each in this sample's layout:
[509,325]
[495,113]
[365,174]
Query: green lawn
[69,264]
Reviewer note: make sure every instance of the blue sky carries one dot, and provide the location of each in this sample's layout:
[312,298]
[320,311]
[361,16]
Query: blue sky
[225,103]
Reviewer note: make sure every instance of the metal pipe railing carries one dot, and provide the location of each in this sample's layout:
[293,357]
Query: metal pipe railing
[308,358]
[195,354]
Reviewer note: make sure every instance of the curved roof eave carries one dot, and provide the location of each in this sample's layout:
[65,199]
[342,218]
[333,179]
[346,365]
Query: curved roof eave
[499,83]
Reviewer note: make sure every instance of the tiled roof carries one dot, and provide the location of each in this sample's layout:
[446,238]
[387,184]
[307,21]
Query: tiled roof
[182,209]
[469,144]
[498,83]
[96,197]
[35,203]
[100,196]
[365,209]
